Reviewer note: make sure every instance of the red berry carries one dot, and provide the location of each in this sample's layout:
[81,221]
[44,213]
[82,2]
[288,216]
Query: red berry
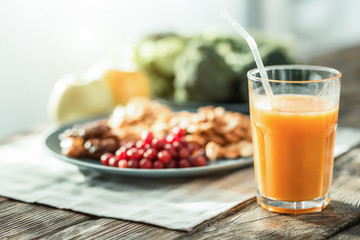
[104,159]
[158,165]
[164,156]
[145,163]
[193,146]
[172,150]
[184,152]
[140,143]
[133,154]
[200,161]
[158,143]
[141,152]
[192,161]
[179,132]
[176,144]
[184,163]
[121,153]
[129,144]
[171,138]
[133,163]
[122,148]
[113,161]
[171,164]
[122,163]
[151,153]
[147,136]
[183,142]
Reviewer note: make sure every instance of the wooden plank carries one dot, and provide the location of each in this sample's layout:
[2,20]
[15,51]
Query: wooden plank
[250,221]
[106,228]
[349,234]
[27,221]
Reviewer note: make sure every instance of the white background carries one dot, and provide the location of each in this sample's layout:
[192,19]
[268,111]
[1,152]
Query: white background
[41,40]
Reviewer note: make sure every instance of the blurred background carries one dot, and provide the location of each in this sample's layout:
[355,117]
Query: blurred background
[41,41]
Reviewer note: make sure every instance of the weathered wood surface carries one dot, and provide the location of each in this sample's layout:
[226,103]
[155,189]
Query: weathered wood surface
[349,234]
[340,220]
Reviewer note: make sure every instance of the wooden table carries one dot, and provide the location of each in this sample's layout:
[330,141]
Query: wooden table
[340,220]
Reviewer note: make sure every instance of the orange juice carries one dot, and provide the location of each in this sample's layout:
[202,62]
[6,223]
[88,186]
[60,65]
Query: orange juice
[294,140]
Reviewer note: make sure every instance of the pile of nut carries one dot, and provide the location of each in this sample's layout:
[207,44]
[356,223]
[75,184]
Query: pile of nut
[221,133]
[140,114]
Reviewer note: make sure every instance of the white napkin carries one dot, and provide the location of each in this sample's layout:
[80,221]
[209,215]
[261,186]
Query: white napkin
[28,173]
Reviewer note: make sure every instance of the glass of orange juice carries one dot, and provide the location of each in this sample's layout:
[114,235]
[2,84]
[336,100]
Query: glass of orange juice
[294,136]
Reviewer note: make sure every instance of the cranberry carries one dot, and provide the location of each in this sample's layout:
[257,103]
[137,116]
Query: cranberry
[141,152]
[151,153]
[199,161]
[193,146]
[121,153]
[164,156]
[171,164]
[178,132]
[171,138]
[105,158]
[145,163]
[133,164]
[192,161]
[184,152]
[158,165]
[147,136]
[184,163]
[129,144]
[171,149]
[122,163]
[158,143]
[113,161]
[140,143]
[176,144]
[183,142]
[133,154]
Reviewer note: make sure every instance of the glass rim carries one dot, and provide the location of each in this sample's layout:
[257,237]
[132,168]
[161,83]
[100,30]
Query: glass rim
[250,73]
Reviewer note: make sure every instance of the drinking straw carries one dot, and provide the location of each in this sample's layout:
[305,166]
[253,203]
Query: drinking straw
[253,46]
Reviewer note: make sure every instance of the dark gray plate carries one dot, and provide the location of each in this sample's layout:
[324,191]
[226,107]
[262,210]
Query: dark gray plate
[52,143]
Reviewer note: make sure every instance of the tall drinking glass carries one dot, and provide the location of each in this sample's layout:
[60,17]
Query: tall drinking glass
[294,136]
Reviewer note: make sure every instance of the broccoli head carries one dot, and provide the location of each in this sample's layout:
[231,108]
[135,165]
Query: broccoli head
[201,74]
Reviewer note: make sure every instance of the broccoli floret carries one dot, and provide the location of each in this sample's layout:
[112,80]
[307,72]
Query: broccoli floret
[201,74]
[208,67]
